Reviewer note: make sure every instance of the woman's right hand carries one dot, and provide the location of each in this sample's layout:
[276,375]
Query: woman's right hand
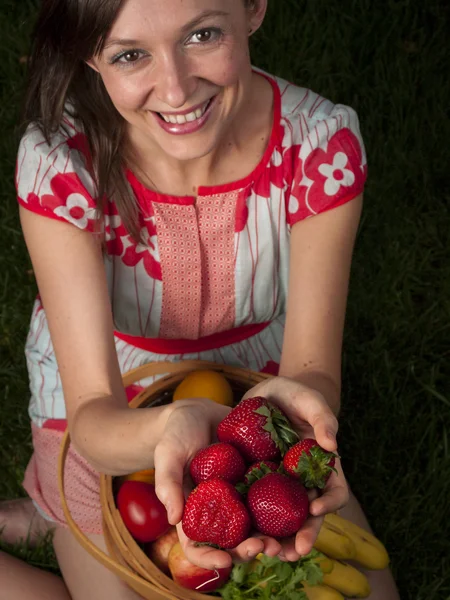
[191,426]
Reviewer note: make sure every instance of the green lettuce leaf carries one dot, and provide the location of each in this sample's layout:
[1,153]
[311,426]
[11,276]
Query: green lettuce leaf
[272,579]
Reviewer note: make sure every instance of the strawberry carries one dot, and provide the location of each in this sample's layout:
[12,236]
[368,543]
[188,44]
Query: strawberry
[218,461]
[214,514]
[258,470]
[254,472]
[278,505]
[258,429]
[310,463]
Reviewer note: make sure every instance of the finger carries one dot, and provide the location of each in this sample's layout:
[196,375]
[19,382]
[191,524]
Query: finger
[331,500]
[169,482]
[334,496]
[271,546]
[205,557]
[247,550]
[323,422]
[306,405]
[306,537]
[288,549]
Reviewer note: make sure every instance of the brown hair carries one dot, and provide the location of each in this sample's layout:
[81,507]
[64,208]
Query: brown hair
[68,33]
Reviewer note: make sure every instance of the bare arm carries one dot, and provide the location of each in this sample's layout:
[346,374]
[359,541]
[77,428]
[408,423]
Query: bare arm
[321,252]
[72,283]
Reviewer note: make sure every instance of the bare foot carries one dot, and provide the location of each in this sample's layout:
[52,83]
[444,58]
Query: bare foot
[20,522]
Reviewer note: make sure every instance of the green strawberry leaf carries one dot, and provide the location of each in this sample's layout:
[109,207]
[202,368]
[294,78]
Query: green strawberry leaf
[278,426]
[313,468]
[255,474]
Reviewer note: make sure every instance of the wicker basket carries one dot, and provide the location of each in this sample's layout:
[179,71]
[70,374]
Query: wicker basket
[126,559]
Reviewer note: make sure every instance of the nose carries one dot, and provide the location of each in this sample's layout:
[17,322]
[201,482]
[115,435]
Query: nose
[174,83]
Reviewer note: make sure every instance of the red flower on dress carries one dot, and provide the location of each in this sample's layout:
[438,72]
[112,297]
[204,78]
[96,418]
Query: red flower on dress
[327,177]
[146,252]
[115,231]
[70,201]
[278,173]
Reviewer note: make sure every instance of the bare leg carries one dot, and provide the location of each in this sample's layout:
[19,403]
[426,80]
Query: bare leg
[21,581]
[20,521]
[381,582]
[86,578]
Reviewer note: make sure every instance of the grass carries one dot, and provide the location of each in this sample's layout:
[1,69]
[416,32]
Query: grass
[390,61]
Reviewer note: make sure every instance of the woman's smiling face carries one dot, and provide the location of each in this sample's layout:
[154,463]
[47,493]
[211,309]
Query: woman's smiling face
[179,71]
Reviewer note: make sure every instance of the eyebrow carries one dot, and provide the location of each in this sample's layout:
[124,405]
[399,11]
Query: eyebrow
[191,25]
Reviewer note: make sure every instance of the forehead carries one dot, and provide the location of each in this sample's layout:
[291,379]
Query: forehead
[152,16]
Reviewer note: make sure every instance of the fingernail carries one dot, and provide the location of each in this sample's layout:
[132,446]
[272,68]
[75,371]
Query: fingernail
[331,435]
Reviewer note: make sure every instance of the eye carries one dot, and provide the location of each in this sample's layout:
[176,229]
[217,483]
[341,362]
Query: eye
[205,36]
[128,57]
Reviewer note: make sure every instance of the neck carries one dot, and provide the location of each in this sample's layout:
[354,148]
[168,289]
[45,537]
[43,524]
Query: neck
[166,174]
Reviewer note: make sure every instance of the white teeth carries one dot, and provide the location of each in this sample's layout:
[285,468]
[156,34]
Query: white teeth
[182,119]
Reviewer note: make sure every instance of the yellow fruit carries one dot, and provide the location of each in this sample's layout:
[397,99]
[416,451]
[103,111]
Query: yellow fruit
[147,475]
[321,592]
[334,543]
[369,551]
[205,384]
[325,563]
[347,580]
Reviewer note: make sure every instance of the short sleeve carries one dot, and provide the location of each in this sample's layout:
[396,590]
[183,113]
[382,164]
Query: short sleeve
[54,180]
[331,166]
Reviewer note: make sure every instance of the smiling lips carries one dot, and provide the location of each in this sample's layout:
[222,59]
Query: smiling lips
[185,122]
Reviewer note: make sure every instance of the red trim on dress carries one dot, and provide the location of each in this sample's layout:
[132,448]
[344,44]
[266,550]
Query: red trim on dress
[40,210]
[185,346]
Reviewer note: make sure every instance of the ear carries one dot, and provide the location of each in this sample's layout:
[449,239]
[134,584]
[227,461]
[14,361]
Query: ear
[92,63]
[256,12]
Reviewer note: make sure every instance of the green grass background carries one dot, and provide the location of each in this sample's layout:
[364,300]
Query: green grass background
[389,60]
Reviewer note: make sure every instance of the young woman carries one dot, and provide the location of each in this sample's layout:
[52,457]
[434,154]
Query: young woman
[170,196]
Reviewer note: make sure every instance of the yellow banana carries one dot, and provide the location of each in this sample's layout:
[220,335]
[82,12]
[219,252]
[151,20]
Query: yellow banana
[369,551]
[335,543]
[347,580]
[321,592]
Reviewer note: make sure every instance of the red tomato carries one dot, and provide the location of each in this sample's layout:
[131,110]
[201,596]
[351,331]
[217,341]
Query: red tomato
[144,515]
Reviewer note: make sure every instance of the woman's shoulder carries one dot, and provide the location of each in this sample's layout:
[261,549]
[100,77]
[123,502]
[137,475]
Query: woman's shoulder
[36,147]
[302,111]
[299,101]
[323,156]
[54,174]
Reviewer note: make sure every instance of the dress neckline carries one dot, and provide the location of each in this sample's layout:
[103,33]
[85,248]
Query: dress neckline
[211,190]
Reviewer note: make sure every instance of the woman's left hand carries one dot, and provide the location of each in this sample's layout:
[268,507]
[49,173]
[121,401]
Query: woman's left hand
[311,417]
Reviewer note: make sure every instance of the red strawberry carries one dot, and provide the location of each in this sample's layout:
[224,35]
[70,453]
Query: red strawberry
[254,472]
[258,429]
[278,505]
[214,514]
[218,461]
[258,470]
[310,463]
